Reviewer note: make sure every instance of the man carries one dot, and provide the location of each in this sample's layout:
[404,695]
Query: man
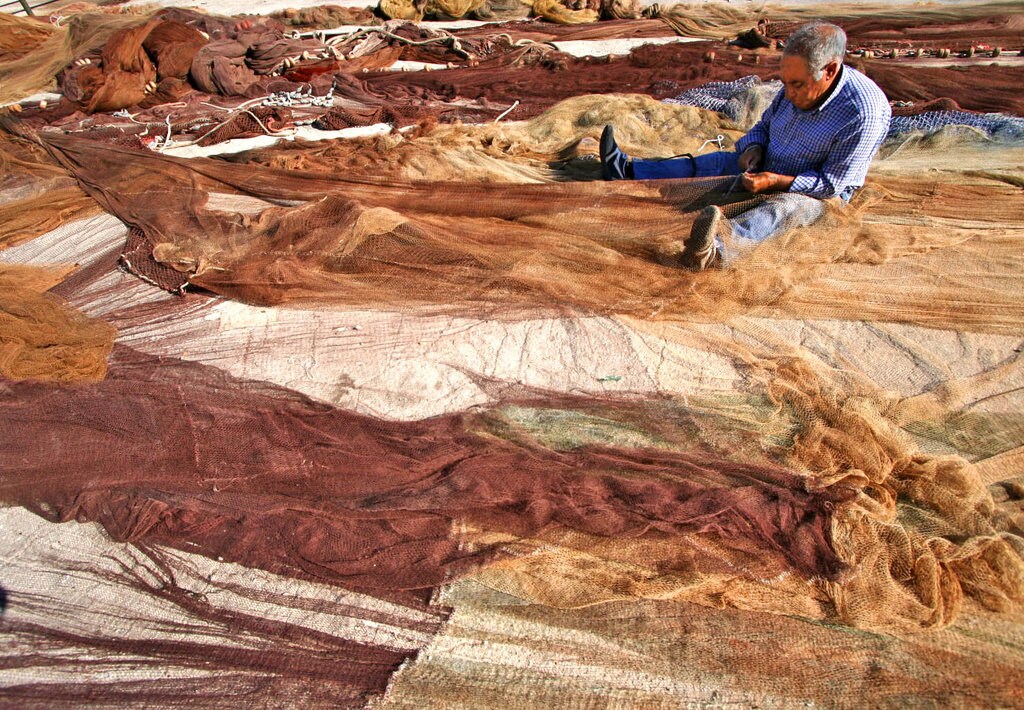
[813,143]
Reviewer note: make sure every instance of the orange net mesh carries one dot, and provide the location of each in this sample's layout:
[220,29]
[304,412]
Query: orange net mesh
[589,246]
[43,339]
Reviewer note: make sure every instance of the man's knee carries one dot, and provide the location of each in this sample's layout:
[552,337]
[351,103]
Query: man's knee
[778,213]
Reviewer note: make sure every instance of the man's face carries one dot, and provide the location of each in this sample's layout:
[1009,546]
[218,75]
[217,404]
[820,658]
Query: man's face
[801,88]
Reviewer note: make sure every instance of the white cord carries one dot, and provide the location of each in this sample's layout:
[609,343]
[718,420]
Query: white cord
[507,111]
[718,139]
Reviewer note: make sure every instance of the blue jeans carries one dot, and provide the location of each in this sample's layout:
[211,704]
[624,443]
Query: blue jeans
[781,211]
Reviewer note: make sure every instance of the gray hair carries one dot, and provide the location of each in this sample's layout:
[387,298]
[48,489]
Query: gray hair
[819,43]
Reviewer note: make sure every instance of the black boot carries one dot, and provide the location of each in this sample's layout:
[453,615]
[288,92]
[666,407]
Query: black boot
[615,165]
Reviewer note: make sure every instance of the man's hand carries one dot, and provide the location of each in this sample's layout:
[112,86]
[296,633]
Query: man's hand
[752,158]
[766,182]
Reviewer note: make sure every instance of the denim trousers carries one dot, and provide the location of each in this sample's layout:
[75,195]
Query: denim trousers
[781,211]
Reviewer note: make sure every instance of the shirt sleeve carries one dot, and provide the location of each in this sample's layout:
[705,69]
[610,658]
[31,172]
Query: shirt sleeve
[848,159]
[758,135]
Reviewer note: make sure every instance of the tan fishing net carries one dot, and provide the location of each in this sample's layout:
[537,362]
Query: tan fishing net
[558,145]
[361,235]
[43,339]
[597,247]
[37,196]
[43,50]
[558,11]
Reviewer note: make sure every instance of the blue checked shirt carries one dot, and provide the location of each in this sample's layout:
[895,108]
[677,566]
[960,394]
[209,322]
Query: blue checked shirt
[827,150]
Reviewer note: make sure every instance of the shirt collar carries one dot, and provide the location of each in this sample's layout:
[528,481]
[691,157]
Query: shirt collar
[836,88]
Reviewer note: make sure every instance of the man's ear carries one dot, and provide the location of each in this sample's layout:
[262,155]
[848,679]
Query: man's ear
[831,69]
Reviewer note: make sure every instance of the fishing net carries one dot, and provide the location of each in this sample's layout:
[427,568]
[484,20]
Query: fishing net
[21,37]
[450,366]
[326,17]
[556,11]
[384,519]
[47,49]
[433,9]
[374,241]
[243,631]
[863,22]
[43,339]
[565,13]
[35,195]
[557,145]
[745,99]
[366,239]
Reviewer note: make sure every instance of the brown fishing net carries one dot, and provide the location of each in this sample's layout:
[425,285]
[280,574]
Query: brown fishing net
[557,11]
[247,59]
[19,38]
[596,247]
[36,196]
[365,239]
[381,499]
[179,617]
[41,338]
[539,77]
[397,116]
[863,22]
[38,62]
[326,17]
[369,237]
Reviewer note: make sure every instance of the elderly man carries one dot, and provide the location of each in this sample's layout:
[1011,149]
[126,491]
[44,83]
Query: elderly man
[814,142]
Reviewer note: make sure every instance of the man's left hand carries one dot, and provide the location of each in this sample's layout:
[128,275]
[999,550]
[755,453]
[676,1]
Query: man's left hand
[766,182]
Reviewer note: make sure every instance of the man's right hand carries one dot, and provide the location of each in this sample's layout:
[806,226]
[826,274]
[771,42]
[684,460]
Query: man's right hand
[751,159]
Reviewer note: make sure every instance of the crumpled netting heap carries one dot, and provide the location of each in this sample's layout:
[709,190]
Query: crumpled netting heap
[326,17]
[923,531]
[42,338]
[131,61]
[173,66]
[564,12]
[32,64]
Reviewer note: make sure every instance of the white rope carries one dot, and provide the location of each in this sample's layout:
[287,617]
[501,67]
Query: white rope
[507,111]
[717,139]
